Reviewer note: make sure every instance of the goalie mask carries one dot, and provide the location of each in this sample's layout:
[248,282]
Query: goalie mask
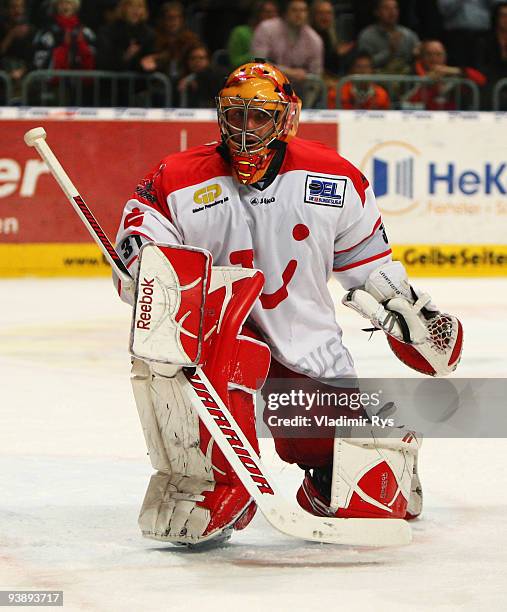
[256,108]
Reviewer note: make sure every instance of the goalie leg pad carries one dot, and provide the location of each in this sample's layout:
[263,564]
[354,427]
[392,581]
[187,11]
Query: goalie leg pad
[415,502]
[370,478]
[195,496]
[184,471]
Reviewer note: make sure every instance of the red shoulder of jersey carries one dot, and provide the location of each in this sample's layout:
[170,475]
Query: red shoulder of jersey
[177,171]
[317,157]
[191,167]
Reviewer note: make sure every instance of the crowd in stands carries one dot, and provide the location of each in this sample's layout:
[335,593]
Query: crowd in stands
[194,44]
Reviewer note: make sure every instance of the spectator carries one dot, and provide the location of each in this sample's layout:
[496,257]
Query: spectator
[423,17]
[493,53]
[123,43]
[290,43]
[466,23]
[202,81]
[97,13]
[172,43]
[240,39]
[364,14]
[65,44]
[442,94]
[337,54]
[16,36]
[363,95]
[219,17]
[40,13]
[391,46]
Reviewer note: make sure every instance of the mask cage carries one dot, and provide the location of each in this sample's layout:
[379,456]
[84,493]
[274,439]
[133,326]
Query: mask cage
[236,134]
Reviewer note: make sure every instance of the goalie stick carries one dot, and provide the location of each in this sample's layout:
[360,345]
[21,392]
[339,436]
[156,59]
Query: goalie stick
[287,518]
[37,138]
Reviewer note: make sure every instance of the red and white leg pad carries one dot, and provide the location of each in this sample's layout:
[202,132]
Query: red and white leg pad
[194,496]
[371,477]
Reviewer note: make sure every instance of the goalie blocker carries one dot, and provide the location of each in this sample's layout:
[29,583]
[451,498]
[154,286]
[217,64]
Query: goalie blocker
[188,313]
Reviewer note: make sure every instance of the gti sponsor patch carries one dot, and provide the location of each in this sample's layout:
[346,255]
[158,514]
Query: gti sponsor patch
[208,197]
[325,190]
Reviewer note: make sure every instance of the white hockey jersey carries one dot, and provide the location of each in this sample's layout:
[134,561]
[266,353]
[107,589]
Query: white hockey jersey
[318,215]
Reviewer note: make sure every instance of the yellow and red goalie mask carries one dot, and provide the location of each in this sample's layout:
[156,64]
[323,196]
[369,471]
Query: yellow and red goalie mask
[256,107]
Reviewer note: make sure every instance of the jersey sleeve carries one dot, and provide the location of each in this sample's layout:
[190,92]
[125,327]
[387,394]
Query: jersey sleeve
[146,218]
[361,243]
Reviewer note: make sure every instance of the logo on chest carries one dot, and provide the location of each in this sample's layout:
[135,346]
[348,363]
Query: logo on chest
[325,190]
[266,201]
[209,196]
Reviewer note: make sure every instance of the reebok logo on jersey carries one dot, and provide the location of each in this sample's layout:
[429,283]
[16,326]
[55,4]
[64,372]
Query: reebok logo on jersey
[325,190]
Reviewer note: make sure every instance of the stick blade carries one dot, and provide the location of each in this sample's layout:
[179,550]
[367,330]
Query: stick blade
[344,531]
[35,134]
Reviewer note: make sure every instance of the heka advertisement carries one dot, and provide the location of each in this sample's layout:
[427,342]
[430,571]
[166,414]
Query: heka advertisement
[441,185]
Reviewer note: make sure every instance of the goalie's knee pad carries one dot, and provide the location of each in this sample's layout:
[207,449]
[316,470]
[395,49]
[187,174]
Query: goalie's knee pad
[371,477]
[195,496]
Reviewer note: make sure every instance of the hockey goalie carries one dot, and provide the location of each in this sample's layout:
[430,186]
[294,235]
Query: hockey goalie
[232,244]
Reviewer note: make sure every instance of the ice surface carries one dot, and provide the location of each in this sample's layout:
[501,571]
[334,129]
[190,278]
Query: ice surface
[73,471]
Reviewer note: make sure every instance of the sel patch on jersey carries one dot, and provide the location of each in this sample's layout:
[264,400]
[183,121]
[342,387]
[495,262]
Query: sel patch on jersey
[325,190]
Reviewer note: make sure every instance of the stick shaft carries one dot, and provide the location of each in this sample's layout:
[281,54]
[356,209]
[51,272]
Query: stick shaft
[82,210]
